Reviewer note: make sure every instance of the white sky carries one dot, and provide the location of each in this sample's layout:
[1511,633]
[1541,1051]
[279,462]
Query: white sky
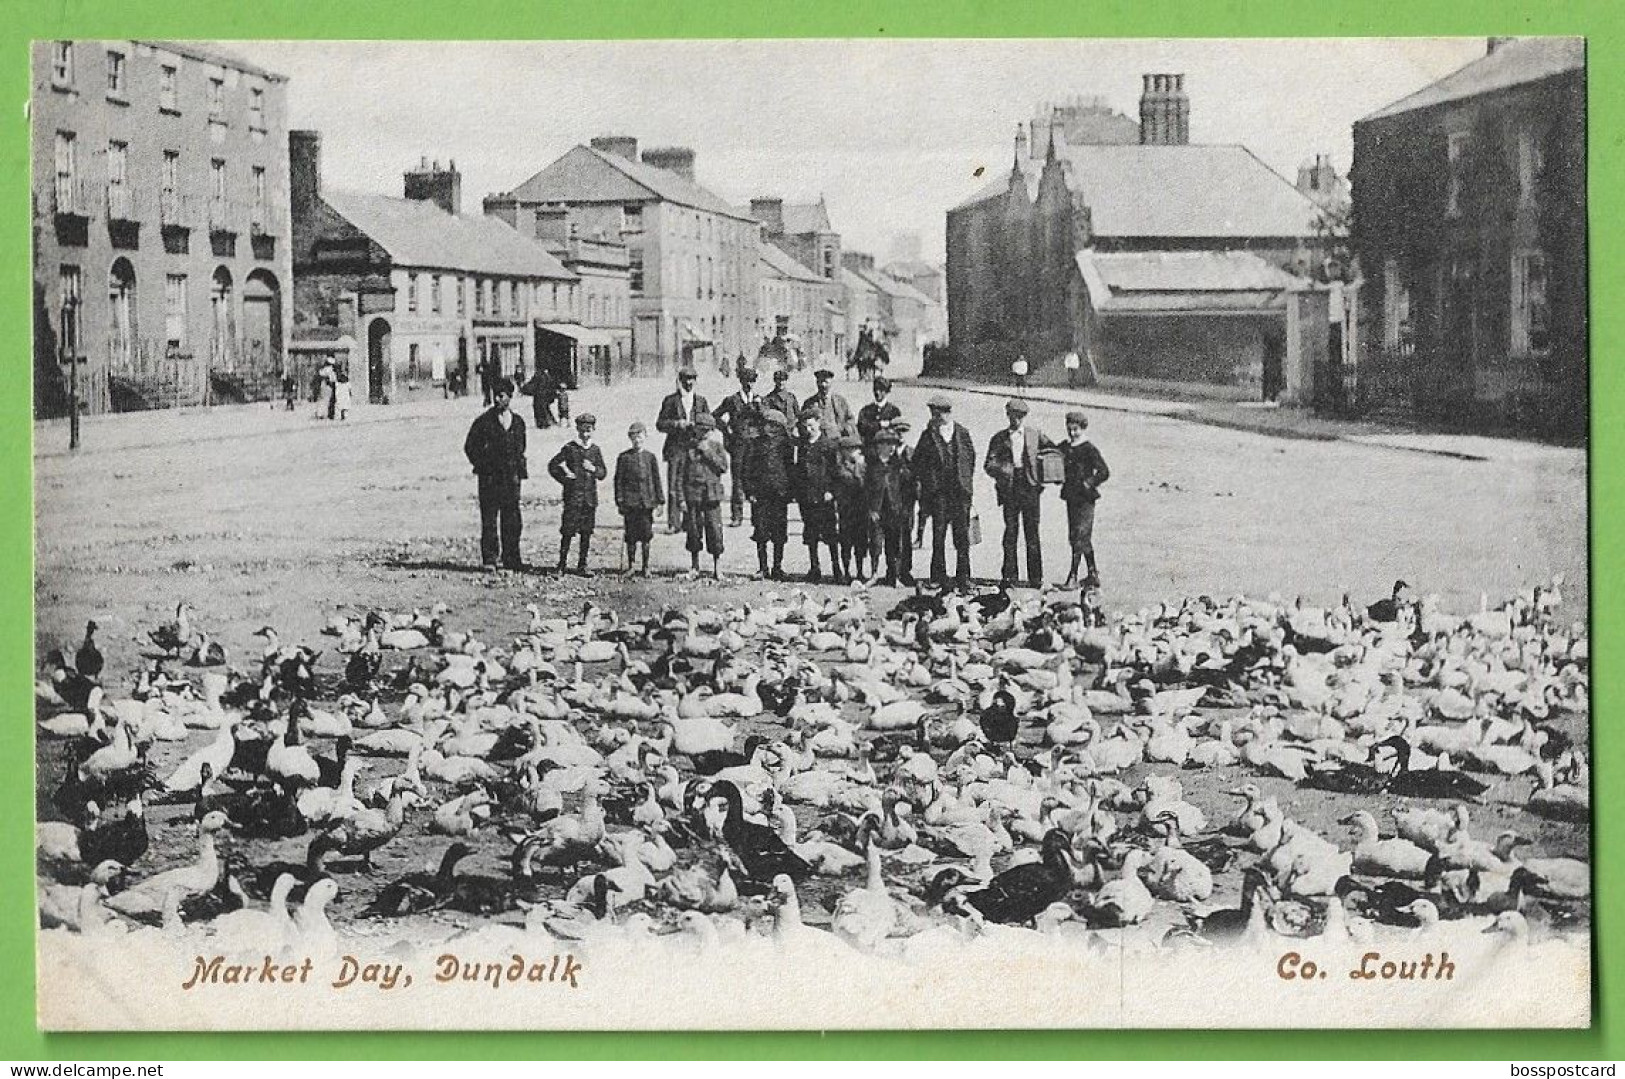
[890,132]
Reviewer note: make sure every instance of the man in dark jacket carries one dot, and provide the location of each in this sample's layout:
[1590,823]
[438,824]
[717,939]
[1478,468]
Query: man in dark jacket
[879,414]
[770,490]
[945,469]
[578,466]
[815,466]
[679,414]
[495,446]
[836,413]
[1012,461]
[737,420]
[637,494]
[781,397]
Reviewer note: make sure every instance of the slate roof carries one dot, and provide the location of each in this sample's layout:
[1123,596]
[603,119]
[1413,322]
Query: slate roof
[1185,191]
[782,265]
[1182,281]
[587,175]
[897,290]
[1217,191]
[1517,62]
[417,233]
[857,282]
[804,217]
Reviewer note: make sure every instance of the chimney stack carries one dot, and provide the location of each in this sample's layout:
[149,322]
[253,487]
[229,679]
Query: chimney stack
[431,183]
[619,145]
[770,212]
[678,159]
[1164,111]
[304,174]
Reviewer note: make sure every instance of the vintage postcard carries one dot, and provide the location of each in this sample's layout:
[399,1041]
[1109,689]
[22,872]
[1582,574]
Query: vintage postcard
[811,534]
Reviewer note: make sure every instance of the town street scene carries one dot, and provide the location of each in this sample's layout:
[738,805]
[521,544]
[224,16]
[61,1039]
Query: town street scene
[1111,514]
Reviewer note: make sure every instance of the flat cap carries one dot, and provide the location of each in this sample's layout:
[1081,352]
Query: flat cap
[586,419]
[637,428]
[851,442]
[887,436]
[774,416]
[940,403]
[823,373]
[1016,406]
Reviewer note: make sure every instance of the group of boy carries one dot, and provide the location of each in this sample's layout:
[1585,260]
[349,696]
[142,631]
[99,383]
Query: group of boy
[858,487]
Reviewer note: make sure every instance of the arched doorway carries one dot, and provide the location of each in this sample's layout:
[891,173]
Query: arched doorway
[262,322]
[121,302]
[377,361]
[221,353]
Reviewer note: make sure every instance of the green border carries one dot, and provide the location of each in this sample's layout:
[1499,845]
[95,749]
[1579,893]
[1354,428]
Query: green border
[1599,20]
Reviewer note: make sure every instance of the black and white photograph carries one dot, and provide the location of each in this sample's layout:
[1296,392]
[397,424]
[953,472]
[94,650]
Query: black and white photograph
[811,534]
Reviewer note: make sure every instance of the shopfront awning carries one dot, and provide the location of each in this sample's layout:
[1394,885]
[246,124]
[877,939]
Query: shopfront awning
[584,335]
[692,336]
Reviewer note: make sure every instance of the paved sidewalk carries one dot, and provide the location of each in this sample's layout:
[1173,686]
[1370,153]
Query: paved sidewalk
[1265,418]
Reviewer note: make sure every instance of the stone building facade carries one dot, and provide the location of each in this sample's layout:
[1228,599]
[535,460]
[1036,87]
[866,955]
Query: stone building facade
[1014,282]
[409,289]
[160,224]
[692,257]
[1470,229]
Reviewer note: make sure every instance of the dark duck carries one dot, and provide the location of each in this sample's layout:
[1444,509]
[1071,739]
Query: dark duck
[761,852]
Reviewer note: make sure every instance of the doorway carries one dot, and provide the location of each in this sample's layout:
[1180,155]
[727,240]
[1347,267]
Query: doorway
[377,361]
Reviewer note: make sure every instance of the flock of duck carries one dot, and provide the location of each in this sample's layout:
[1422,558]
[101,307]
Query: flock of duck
[1197,772]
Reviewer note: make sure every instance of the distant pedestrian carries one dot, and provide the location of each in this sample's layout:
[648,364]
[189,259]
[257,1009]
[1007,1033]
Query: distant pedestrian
[945,468]
[341,394]
[290,389]
[638,494]
[1085,471]
[578,466]
[542,389]
[815,467]
[330,388]
[325,381]
[1073,364]
[701,471]
[769,463]
[1012,461]
[679,422]
[495,446]
[851,507]
[1019,370]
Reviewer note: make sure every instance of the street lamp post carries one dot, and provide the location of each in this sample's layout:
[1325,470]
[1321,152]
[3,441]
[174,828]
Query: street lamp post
[70,350]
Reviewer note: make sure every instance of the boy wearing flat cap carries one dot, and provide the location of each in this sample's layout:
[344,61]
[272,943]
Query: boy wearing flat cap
[886,493]
[945,468]
[816,462]
[851,506]
[770,468]
[1012,461]
[495,446]
[578,466]
[736,419]
[637,494]
[1085,471]
[703,469]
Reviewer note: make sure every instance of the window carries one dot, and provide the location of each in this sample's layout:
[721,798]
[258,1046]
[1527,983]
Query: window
[1457,165]
[168,194]
[62,63]
[553,303]
[484,305]
[217,180]
[1531,164]
[496,299]
[412,374]
[634,266]
[829,263]
[217,99]
[118,181]
[67,169]
[632,218]
[256,108]
[434,294]
[512,306]
[1530,311]
[115,74]
[166,89]
[71,291]
[175,312]
[699,280]
[462,304]
[710,279]
[257,177]
[412,292]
